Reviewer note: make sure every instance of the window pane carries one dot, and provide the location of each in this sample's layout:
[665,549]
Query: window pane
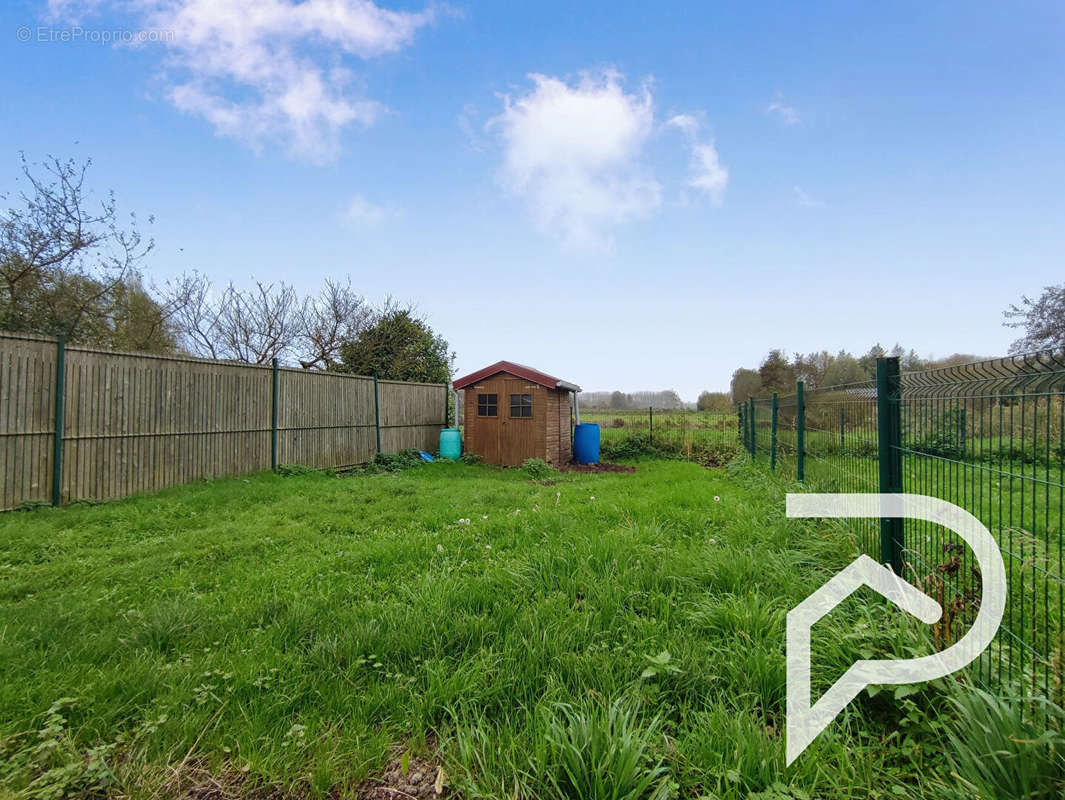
[521,405]
[486,405]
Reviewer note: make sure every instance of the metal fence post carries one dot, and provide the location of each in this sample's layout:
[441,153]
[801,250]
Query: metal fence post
[377,413]
[753,441]
[800,431]
[773,437]
[651,424]
[741,434]
[60,392]
[273,417]
[889,454]
[842,428]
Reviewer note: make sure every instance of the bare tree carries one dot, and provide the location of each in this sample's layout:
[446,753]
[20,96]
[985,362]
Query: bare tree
[266,322]
[61,257]
[335,316]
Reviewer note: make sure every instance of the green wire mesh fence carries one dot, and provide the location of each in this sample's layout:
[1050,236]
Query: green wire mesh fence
[987,436]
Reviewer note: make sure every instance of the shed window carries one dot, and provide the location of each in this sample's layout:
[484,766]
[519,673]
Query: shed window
[487,405]
[521,405]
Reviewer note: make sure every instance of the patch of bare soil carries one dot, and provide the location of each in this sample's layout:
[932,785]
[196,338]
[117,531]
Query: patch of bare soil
[600,467]
[403,778]
[407,778]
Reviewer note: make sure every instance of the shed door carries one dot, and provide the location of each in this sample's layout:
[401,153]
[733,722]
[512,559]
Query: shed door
[521,412]
[484,436]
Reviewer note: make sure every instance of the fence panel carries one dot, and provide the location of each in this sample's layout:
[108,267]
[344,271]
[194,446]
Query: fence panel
[135,422]
[989,437]
[325,419]
[27,420]
[411,415]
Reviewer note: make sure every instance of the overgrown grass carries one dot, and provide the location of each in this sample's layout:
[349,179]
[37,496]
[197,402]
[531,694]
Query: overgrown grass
[291,630]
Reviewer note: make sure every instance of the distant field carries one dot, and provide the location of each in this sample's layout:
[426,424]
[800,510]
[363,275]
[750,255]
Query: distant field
[689,432]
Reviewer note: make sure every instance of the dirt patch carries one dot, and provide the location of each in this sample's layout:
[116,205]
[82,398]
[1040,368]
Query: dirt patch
[407,777]
[600,467]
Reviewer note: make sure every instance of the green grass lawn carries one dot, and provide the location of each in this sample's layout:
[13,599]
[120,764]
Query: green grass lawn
[295,634]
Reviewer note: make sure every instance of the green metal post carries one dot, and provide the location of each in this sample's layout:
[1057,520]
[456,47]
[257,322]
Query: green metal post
[842,428]
[742,432]
[60,392]
[889,452]
[800,431]
[773,437]
[651,424]
[754,430]
[273,417]
[377,413]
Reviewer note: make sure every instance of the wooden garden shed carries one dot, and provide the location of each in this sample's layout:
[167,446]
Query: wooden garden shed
[513,413]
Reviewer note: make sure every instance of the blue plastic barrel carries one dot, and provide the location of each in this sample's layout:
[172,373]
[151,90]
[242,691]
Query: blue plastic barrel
[586,443]
[450,443]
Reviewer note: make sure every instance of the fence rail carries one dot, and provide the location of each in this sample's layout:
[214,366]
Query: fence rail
[989,437]
[78,423]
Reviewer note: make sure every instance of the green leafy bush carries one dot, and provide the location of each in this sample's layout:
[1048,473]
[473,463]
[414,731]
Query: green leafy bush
[397,462]
[537,469]
[470,458]
[293,470]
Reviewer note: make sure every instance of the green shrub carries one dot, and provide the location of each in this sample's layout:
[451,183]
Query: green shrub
[397,462]
[470,458]
[537,469]
[637,446]
[293,470]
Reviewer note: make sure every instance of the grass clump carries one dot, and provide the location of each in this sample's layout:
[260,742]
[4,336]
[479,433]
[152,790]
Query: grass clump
[600,752]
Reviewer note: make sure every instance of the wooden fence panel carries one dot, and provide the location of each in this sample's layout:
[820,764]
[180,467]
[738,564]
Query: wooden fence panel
[27,420]
[326,419]
[412,415]
[134,422]
[138,423]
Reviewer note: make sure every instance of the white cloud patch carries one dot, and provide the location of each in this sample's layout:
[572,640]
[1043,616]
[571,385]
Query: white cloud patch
[573,152]
[264,71]
[804,199]
[787,114]
[577,153]
[707,174]
[361,213]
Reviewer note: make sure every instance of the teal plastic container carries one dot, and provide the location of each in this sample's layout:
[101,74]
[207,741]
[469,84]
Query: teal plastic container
[586,443]
[450,443]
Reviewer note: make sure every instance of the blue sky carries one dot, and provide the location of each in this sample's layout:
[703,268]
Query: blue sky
[634,196]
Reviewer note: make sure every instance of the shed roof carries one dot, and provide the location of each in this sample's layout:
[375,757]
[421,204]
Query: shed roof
[518,370]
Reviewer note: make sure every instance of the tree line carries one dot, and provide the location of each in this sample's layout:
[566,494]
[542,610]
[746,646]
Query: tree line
[73,266]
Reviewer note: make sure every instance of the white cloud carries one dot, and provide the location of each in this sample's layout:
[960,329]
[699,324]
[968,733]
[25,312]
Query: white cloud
[805,200]
[707,174]
[268,70]
[573,152]
[577,153]
[362,213]
[789,115]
